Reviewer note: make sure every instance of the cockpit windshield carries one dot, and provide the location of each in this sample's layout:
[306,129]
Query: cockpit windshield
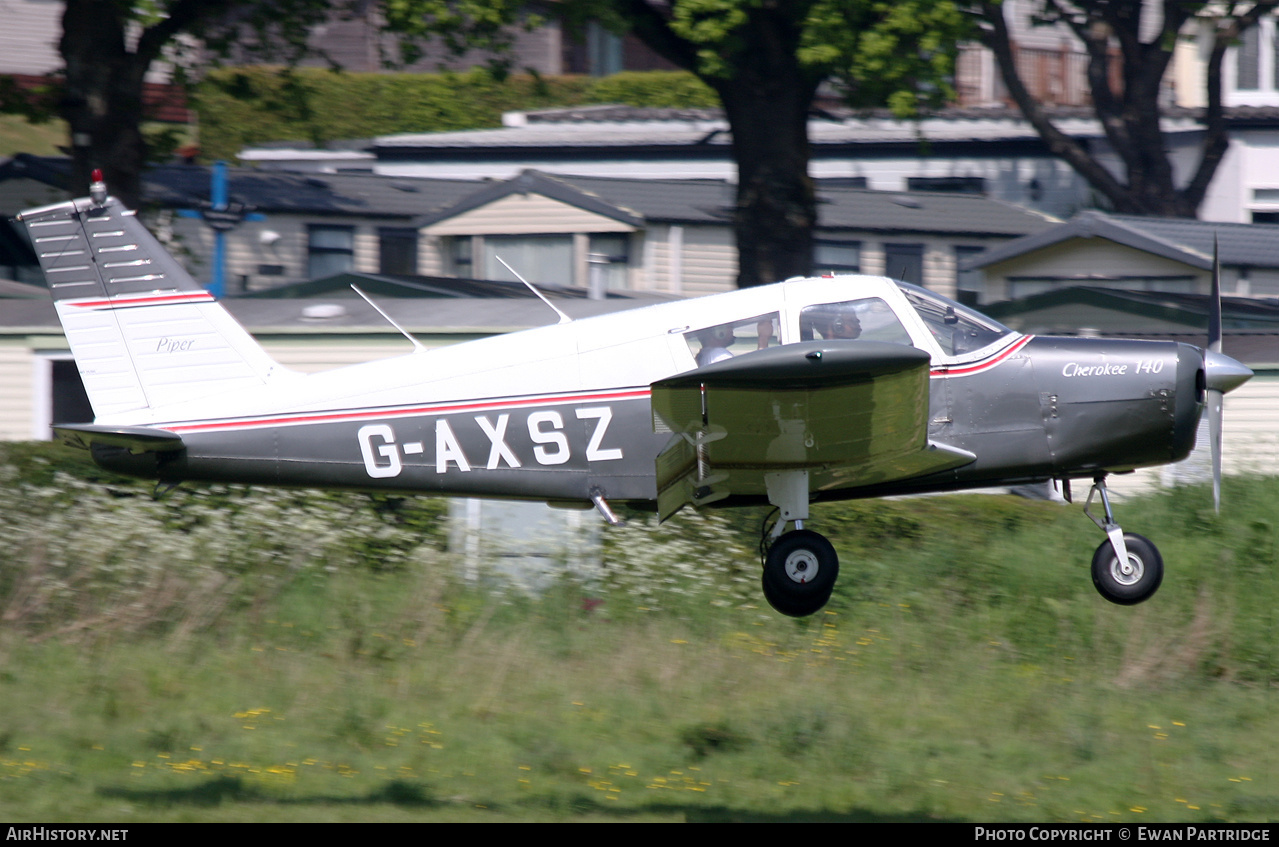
[957,328]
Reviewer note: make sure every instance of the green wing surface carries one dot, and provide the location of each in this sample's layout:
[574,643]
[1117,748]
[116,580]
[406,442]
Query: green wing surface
[851,413]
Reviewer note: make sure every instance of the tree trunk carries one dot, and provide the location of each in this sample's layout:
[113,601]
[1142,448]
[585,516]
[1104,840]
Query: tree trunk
[767,108]
[766,95]
[102,103]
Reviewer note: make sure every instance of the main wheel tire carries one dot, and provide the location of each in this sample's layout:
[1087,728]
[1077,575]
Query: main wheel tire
[791,606]
[799,573]
[1135,583]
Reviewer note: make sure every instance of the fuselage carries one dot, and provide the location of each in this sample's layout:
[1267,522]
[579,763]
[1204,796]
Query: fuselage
[558,412]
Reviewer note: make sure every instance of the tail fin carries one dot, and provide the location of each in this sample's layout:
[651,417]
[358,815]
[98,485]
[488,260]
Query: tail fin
[144,333]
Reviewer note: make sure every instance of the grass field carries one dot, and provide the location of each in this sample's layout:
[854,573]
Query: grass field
[224,655]
[18,136]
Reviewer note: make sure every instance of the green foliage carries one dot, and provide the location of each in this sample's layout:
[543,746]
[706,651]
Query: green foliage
[652,89]
[461,25]
[36,105]
[235,654]
[900,54]
[90,557]
[244,106]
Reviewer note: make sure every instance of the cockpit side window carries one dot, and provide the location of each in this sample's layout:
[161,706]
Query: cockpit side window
[957,329]
[723,341]
[868,319]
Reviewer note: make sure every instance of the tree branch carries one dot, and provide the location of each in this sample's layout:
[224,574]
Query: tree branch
[651,26]
[996,38]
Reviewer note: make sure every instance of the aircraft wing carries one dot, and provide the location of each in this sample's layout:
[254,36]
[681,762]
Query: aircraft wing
[851,413]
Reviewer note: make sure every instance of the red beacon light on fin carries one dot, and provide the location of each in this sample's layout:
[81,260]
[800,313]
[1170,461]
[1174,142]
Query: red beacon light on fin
[97,187]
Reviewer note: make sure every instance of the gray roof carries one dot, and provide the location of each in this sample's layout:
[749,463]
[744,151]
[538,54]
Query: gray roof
[358,194]
[533,182]
[12,289]
[952,213]
[1179,239]
[616,126]
[708,201]
[300,193]
[448,316]
[712,201]
[866,210]
[1238,313]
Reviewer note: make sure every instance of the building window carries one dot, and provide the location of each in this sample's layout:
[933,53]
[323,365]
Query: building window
[951,184]
[330,250]
[904,262]
[397,250]
[545,259]
[70,400]
[837,257]
[840,182]
[1265,205]
[1252,74]
[968,284]
[1248,61]
[460,256]
[604,50]
[608,261]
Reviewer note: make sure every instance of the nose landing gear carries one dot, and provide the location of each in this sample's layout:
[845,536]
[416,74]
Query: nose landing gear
[1127,568]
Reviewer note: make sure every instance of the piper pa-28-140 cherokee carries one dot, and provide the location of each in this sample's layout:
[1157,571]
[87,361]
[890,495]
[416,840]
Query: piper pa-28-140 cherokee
[787,394]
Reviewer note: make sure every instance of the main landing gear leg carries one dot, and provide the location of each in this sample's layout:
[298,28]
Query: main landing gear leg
[800,566]
[1127,568]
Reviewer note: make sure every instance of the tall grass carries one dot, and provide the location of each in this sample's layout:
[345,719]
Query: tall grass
[225,654]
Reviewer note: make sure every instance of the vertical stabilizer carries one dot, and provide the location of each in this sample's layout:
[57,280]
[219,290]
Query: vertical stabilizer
[143,332]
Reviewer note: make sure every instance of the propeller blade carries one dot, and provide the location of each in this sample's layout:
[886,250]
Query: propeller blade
[1214,314]
[1214,435]
[1215,393]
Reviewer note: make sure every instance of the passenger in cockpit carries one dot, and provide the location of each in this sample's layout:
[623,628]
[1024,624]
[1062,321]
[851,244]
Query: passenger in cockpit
[715,341]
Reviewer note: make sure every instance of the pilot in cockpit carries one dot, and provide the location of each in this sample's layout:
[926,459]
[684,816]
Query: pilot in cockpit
[843,325]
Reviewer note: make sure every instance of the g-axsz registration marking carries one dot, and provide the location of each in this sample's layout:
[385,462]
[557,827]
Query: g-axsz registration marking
[384,456]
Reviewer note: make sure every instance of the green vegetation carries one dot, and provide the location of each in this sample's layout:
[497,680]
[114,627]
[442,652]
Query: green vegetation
[19,136]
[244,106]
[223,654]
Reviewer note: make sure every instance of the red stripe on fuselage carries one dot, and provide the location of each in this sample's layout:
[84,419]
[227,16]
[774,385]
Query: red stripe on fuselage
[302,418]
[977,367]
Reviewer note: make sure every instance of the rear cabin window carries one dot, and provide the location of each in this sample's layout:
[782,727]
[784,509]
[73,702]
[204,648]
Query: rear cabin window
[723,341]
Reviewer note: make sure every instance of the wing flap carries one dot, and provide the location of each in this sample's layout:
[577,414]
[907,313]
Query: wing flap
[851,413]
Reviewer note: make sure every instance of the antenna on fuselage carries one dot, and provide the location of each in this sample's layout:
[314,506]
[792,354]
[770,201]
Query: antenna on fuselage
[416,344]
[563,317]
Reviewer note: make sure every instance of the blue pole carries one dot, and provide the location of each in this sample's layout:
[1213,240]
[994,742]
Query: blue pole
[219,191]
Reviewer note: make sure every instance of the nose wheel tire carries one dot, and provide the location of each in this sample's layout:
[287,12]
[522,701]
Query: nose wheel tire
[799,573]
[1134,581]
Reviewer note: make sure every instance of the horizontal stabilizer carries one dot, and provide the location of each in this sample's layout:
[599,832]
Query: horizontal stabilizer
[135,439]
